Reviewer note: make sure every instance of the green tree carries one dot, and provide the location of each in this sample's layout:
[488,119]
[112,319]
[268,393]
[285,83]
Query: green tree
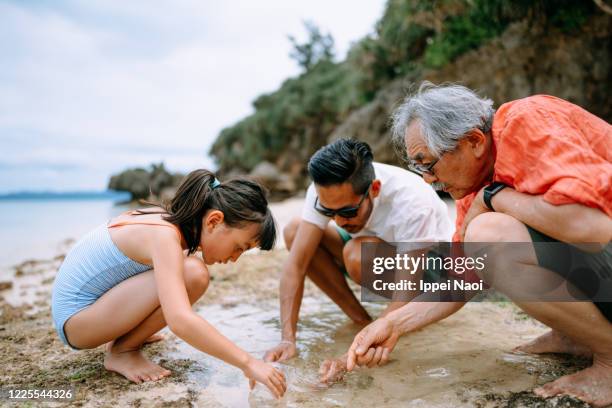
[318,47]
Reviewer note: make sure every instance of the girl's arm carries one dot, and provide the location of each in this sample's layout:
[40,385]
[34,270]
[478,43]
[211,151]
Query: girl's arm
[167,256]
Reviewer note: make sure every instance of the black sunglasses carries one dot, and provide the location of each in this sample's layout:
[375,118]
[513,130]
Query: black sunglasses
[344,212]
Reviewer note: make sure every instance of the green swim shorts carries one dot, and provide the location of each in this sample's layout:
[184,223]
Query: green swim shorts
[345,237]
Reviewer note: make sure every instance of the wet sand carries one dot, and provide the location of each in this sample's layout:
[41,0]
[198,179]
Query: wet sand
[463,361]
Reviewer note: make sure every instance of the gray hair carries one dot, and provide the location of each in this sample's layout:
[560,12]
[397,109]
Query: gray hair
[447,112]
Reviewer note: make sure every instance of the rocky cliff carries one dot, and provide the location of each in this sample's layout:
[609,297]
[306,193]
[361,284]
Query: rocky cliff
[503,49]
[527,59]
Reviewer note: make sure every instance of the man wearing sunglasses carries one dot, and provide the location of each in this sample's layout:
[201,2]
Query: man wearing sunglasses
[352,200]
[537,171]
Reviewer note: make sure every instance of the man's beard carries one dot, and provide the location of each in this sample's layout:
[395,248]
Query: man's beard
[438,186]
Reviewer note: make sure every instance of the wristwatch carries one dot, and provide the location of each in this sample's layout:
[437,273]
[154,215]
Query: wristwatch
[490,191]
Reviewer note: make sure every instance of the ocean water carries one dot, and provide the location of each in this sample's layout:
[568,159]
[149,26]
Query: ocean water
[40,228]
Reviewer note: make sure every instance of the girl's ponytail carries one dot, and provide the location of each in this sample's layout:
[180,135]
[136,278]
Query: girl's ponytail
[241,201]
[189,204]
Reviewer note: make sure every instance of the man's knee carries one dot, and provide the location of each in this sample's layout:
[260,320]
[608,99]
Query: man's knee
[290,230]
[505,259]
[351,256]
[196,273]
[496,227]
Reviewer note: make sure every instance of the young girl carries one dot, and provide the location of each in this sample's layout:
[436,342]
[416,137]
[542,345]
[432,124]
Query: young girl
[127,279]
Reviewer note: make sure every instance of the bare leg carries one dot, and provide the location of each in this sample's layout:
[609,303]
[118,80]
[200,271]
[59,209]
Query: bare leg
[126,316]
[351,254]
[580,322]
[324,272]
[593,384]
[554,342]
[154,338]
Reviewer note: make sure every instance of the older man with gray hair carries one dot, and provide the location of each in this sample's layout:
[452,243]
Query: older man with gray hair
[538,169]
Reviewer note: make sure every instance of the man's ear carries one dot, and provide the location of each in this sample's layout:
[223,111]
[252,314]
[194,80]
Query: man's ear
[477,141]
[375,187]
[213,218]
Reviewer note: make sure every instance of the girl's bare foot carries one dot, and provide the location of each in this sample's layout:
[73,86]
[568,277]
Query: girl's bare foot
[154,338]
[133,365]
[592,385]
[554,342]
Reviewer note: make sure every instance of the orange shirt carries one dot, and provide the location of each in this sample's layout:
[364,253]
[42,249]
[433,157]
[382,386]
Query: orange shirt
[550,147]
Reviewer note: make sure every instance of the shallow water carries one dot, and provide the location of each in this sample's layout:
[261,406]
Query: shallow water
[448,364]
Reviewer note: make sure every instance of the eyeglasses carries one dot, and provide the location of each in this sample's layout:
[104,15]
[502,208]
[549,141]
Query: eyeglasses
[344,212]
[422,169]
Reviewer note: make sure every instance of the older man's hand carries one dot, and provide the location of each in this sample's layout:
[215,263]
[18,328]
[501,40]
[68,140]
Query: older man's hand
[478,207]
[373,344]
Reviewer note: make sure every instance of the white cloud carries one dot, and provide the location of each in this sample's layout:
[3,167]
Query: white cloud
[107,85]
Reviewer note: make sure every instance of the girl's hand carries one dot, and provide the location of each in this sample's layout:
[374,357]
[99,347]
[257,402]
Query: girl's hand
[257,370]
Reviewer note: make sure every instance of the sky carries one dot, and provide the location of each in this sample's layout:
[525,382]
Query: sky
[90,88]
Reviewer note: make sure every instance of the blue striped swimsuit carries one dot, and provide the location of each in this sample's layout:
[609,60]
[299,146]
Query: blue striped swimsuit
[91,268]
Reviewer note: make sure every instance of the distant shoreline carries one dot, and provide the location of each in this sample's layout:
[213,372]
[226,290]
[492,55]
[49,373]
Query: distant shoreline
[120,196]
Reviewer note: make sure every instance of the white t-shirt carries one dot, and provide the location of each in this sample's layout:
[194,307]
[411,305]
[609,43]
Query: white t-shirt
[406,210]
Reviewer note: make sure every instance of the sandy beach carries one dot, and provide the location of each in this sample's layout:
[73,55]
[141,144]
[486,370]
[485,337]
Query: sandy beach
[463,361]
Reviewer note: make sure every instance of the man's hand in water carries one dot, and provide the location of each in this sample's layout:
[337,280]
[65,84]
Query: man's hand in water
[332,370]
[373,344]
[258,371]
[282,352]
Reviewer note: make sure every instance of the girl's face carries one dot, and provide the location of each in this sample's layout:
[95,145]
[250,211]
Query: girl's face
[223,244]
